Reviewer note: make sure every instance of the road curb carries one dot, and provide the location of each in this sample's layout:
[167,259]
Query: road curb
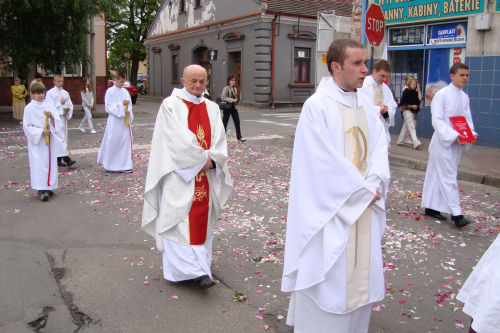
[470,176]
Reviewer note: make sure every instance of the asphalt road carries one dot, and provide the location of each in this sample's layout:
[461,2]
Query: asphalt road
[80,262]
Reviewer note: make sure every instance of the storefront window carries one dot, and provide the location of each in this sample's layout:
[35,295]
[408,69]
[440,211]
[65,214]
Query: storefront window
[406,36]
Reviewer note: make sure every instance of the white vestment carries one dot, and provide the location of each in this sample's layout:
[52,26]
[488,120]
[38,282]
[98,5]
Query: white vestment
[174,161]
[440,186]
[115,153]
[388,99]
[42,177]
[328,197]
[54,96]
[480,293]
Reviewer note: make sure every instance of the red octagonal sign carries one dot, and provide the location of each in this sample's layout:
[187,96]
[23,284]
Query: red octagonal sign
[374,25]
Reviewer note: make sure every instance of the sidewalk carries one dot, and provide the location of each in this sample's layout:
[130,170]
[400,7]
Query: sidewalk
[478,164]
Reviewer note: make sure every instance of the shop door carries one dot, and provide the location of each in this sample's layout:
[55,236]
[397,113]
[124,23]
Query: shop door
[404,63]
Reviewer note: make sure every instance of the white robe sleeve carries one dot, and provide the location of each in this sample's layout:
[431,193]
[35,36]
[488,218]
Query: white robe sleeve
[31,129]
[187,174]
[113,104]
[446,134]
[391,104]
[68,104]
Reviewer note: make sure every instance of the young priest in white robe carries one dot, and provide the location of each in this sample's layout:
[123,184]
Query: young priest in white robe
[115,153]
[377,91]
[188,181]
[41,125]
[440,194]
[62,102]
[336,210]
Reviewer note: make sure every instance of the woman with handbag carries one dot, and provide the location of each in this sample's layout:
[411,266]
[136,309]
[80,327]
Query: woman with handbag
[409,106]
[19,94]
[229,98]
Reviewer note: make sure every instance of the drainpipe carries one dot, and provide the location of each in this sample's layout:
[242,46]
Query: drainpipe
[273,25]
[363,16]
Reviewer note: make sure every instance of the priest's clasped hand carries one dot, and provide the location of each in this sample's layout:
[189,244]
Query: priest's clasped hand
[208,165]
[375,198]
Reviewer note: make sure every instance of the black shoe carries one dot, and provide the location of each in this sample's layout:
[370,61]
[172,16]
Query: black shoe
[61,164]
[44,196]
[51,193]
[206,282]
[435,214]
[460,221]
[242,140]
[70,163]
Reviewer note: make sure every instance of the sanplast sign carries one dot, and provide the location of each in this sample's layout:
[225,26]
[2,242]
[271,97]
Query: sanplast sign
[406,11]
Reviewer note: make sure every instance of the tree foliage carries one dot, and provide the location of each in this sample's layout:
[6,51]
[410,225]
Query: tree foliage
[127,29]
[50,33]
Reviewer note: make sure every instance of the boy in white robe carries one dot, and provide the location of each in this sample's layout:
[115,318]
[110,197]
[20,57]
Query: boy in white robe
[180,159]
[377,91]
[115,153]
[41,123]
[336,212]
[440,192]
[62,102]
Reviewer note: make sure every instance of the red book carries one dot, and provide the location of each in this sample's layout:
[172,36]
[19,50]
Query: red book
[461,126]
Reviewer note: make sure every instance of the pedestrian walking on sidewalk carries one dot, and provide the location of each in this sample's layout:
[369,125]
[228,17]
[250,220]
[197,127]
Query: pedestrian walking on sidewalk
[87,104]
[19,94]
[440,194]
[62,102]
[336,211]
[188,181]
[41,125]
[230,97]
[410,106]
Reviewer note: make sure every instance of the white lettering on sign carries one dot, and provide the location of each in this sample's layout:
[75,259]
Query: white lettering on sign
[375,25]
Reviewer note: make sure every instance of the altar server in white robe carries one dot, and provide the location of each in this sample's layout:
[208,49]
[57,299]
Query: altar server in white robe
[115,153]
[62,102]
[188,181]
[377,91]
[440,194]
[41,125]
[336,210]
[480,293]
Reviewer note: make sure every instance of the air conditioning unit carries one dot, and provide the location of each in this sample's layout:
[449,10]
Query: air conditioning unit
[482,21]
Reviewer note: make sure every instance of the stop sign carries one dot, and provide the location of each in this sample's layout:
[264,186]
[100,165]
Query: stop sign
[374,25]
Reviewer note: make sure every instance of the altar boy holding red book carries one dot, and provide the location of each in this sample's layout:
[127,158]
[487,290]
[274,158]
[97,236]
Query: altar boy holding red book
[440,193]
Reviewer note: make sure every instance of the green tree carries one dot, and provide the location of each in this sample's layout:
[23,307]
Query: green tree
[127,29]
[50,33]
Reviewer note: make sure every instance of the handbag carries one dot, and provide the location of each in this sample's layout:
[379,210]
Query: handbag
[223,105]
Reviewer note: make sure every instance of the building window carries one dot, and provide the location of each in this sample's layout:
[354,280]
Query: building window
[197,3]
[182,6]
[175,68]
[302,65]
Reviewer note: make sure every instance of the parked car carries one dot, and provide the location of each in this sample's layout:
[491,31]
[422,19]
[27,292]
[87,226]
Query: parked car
[131,90]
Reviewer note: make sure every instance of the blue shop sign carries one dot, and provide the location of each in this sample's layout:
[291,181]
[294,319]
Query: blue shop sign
[454,33]
[497,6]
[406,11]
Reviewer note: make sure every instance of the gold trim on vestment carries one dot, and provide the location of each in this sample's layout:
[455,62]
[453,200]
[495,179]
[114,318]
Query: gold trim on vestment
[356,150]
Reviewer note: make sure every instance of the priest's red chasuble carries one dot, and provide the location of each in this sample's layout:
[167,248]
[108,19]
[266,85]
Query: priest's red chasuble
[199,124]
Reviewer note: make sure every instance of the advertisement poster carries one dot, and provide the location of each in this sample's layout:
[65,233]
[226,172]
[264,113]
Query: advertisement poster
[448,34]
[439,62]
